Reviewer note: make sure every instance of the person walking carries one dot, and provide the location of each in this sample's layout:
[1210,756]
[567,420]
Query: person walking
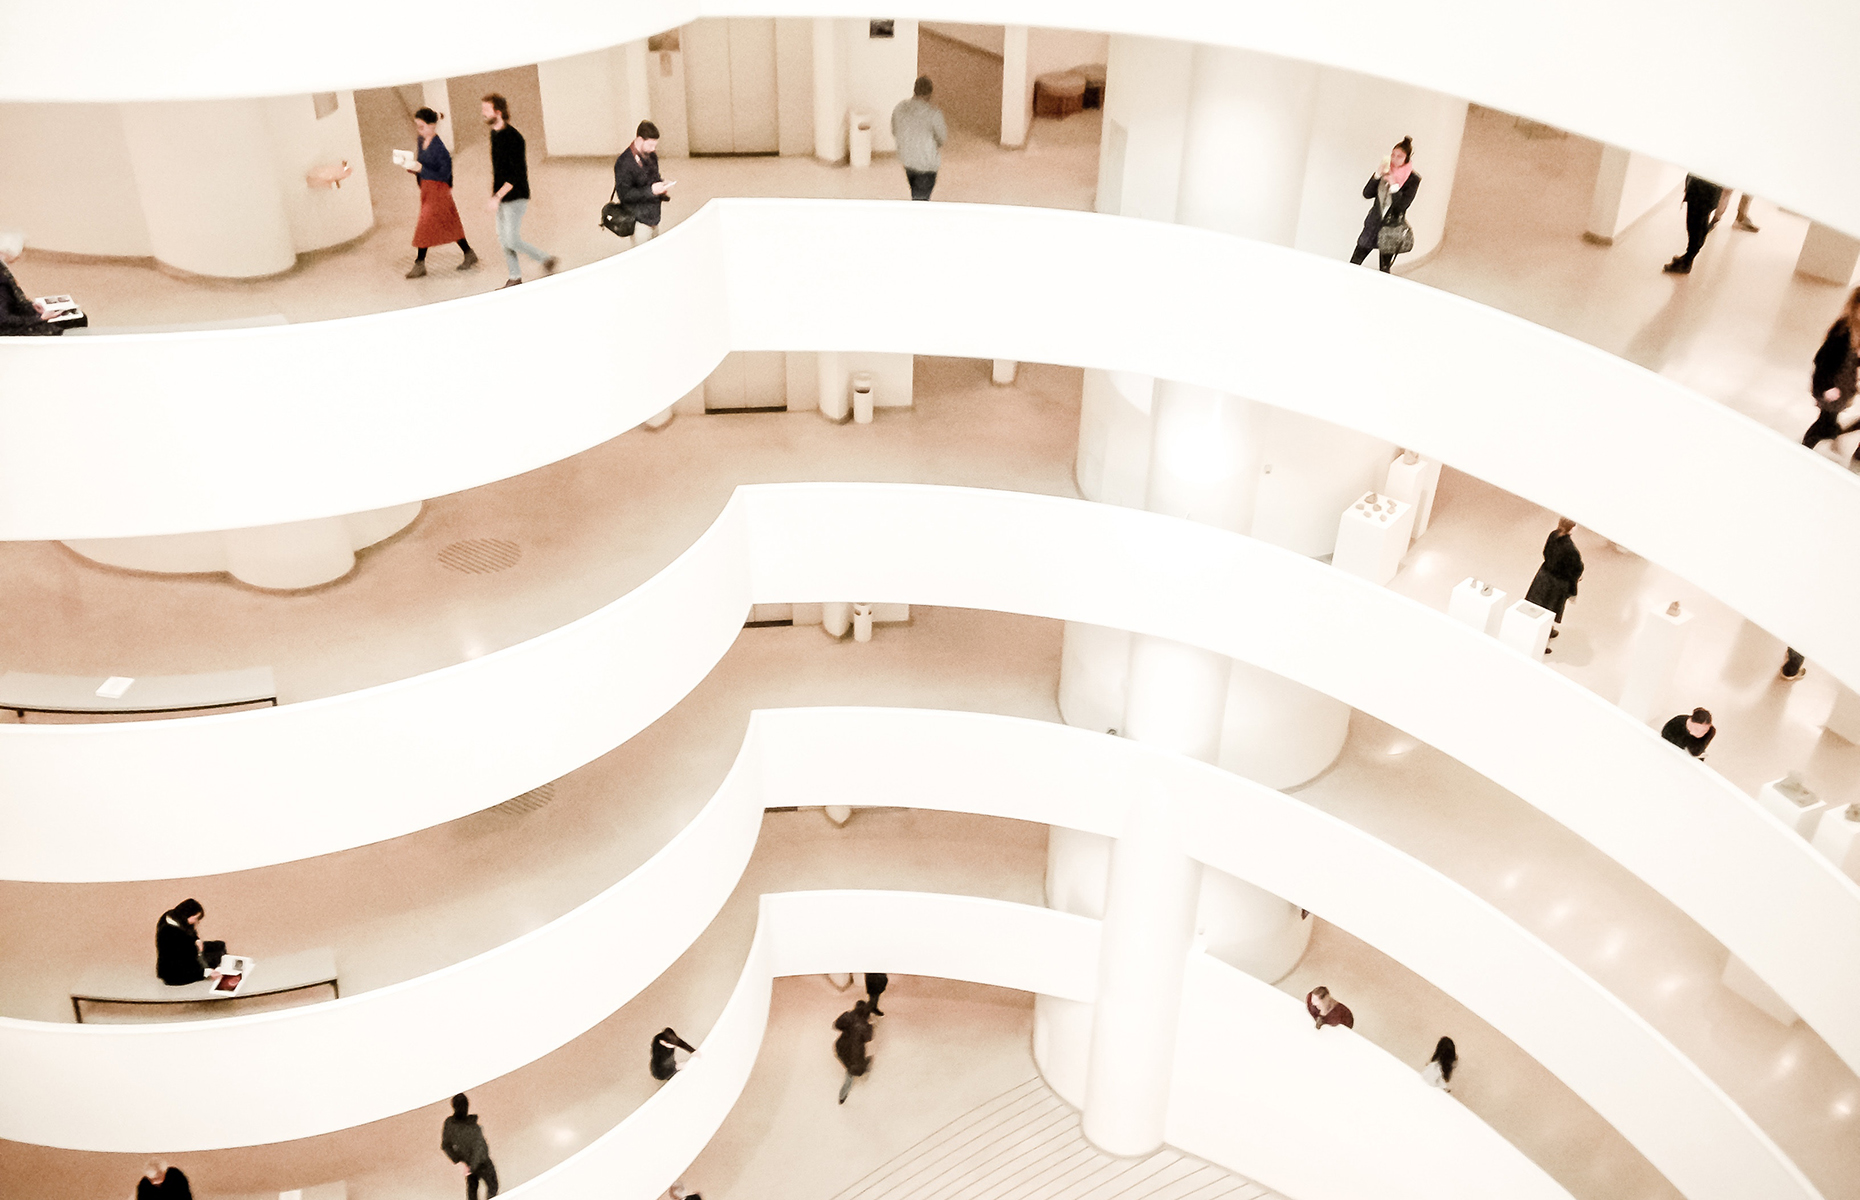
[510,188]
[1691,732]
[875,984]
[1326,1009]
[1439,1069]
[1704,200]
[463,1142]
[855,1032]
[637,184]
[162,1182]
[665,1047]
[20,314]
[920,131]
[1555,582]
[1393,188]
[1832,382]
[439,217]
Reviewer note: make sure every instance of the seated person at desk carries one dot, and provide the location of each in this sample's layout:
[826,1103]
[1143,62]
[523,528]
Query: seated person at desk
[163,1182]
[20,314]
[178,946]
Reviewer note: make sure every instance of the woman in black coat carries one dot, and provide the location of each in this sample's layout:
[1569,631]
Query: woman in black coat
[1393,188]
[177,944]
[1836,364]
[665,1044]
[1555,581]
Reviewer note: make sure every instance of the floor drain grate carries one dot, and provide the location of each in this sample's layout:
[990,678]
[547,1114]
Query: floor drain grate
[480,556]
[531,801]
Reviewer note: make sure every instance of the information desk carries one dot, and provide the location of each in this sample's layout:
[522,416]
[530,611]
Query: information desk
[269,975]
[23,693]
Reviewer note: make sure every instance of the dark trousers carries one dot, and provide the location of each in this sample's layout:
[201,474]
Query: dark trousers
[921,182]
[1364,245]
[488,1173]
[1827,425]
[1698,224]
[1792,662]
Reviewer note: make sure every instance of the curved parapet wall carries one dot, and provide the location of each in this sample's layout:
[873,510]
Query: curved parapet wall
[162,434]
[87,1088]
[1599,68]
[115,794]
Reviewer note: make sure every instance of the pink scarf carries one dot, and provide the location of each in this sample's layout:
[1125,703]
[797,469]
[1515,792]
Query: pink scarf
[1398,176]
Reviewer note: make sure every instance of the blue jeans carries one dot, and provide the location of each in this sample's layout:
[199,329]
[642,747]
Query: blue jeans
[510,236]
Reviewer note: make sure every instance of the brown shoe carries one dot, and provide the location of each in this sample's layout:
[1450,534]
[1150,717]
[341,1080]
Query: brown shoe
[471,260]
[510,283]
[549,264]
[418,271]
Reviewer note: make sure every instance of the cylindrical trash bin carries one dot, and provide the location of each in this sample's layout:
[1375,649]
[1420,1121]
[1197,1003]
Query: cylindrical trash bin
[862,398]
[836,617]
[860,140]
[839,814]
[862,622]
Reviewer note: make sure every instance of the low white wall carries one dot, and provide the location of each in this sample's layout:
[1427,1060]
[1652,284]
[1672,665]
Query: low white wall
[137,413]
[68,184]
[1603,70]
[107,801]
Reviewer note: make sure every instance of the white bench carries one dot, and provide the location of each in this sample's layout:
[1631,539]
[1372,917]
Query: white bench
[23,692]
[270,975]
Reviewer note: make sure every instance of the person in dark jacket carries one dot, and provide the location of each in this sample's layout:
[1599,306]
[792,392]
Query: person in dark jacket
[439,217]
[637,182]
[665,1044]
[178,945]
[510,188]
[1393,188]
[463,1142]
[20,314]
[875,984]
[1833,381]
[163,1182]
[1555,581]
[1704,200]
[855,1031]
[1691,732]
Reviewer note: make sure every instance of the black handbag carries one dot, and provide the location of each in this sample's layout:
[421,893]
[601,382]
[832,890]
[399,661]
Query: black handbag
[615,218]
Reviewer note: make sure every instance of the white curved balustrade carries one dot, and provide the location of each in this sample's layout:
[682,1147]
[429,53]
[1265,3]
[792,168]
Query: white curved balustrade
[1599,68]
[112,1087]
[467,737]
[1555,421]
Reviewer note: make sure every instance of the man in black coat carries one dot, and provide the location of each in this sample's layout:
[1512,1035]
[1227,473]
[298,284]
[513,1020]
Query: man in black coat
[1703,199]
[637,182]
[1555,581]
[463,1143]
[163,1182]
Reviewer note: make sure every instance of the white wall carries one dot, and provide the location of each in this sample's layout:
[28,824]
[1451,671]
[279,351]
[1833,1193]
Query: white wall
[300,143]
[982,37]
[876,73]
[1627,187]
[593,102]
[68,184]
[1063,49]
[1603,70]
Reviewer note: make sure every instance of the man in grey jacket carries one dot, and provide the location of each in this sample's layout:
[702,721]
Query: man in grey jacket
[918,127]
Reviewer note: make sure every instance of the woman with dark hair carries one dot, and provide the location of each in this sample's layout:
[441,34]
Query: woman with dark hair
[665,1047]
[1439,1069]
[1836,364]
[1393,188]
[439,217]
[178,945]
[1555,582]
[855,1031]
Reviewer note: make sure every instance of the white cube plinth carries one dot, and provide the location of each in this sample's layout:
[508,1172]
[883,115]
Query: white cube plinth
[1745,982]
[1004,370]
[1799,808]
[1372,537]
[1415,483]
[1653,659]
[1837,835]
[1477,604]
[1844,720]
[1526,628]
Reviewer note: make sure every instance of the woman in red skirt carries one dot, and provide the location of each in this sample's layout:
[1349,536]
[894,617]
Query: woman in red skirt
[439,217]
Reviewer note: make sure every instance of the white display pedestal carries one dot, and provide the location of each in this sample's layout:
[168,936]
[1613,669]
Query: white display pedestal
[839,814]
[1745,982]
[1476,603]
[1004,370]
[1799,808]
[1526,628]
[1844,719]
[1838,837]
[1372,537]
[1414,483]
[862,622]
[1655,655]
[836,617]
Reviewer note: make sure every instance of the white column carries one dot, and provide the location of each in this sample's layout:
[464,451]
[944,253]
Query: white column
[1145,108]
[1016,87]
[209,187]
[1245,143]
[1094,670]
[1149,924]
[1627,187]
[286,557]
[1175,696]
[1203,456]
[1278,732]
[1113,465]
[829,93]
[436,95]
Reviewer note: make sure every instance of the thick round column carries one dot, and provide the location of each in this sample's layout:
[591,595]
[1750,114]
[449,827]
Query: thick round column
[286,557]
[1094,669]
[209,186]
[1149,924]
[1278,732]
[1203,456]
[1175,696]
[1113,465]
[1249,928]
[829,93]
[1244,143]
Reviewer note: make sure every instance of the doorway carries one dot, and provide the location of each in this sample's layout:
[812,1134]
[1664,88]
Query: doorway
[730,97]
